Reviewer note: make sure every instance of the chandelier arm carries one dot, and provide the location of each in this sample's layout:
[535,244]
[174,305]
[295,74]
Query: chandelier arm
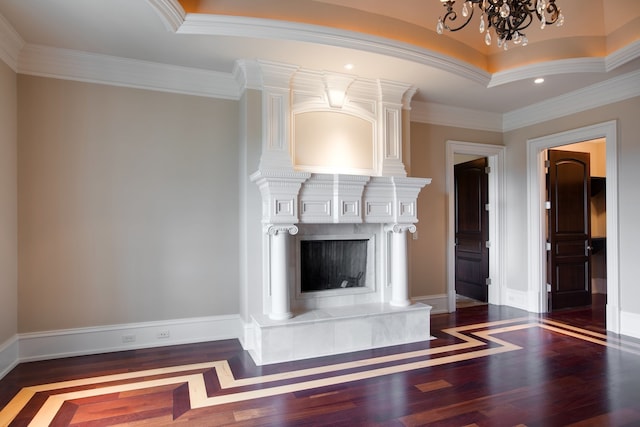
[553,12]
[451,15]
[522,19]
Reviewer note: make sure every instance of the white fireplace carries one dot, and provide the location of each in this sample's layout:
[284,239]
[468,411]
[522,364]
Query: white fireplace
[355,215]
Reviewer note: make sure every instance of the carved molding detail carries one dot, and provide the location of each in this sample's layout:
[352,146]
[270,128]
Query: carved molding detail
[299,197]
[400,228]
[275,229]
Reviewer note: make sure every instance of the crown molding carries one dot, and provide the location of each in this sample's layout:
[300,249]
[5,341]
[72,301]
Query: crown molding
[562,66]
[247,74]
[613,90]
[446,115]
[67,64]
[568,66]
[93,68]
[170,11]
[222,25]
[622,56]
[10,44]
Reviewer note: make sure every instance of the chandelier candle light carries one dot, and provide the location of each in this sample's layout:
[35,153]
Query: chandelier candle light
[507,17]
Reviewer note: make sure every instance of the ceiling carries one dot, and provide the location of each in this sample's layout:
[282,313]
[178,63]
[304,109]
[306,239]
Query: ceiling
[388,40]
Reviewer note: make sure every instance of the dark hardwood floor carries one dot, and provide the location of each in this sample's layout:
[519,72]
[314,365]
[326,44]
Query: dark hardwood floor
[488,366]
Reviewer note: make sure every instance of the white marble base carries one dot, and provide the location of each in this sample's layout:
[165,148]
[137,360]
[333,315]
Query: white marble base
[338,330]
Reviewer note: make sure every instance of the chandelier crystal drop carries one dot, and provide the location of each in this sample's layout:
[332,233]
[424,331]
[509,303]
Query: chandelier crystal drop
[508,18]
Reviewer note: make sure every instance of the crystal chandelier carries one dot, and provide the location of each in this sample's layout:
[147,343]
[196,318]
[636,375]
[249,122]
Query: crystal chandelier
[508,18]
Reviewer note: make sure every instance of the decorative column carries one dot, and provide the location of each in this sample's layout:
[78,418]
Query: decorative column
[278,236]
[399,268]
[279,215]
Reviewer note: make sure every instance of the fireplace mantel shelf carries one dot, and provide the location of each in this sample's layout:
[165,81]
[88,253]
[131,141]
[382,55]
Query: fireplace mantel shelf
[291,197]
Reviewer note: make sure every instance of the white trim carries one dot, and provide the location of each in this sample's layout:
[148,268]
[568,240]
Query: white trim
[10,44]
[103,69]
[242,26]
[622,56]
[437,302]
[630,324]
[536,218]
[562,66]
[446,115]
[83,341]
[497,225]
[8,355]
[613,90]
[68,64]
[521,299]
[170,11]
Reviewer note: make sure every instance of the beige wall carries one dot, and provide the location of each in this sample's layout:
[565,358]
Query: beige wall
[8,205]
[598,168]
[597,150]
[128,205]
[428,253]
[626,113]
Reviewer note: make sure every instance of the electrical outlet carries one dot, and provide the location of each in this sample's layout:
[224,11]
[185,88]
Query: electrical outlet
[128,338]
[163,334]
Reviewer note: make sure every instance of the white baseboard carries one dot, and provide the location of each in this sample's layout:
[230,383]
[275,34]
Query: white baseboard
[8,355]
[437,302]
[524,300]
[104,339]
[248,340]
[630,324]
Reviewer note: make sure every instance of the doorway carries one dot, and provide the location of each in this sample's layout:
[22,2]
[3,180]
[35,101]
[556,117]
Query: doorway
[537,283]
[495,155]
[471,194]
[569,220]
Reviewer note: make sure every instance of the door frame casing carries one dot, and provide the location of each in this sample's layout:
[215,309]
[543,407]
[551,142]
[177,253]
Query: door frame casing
[495,155]
[536,213]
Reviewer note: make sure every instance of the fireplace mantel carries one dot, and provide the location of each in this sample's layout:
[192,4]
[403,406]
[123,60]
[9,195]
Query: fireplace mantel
[293,198]
[301,197]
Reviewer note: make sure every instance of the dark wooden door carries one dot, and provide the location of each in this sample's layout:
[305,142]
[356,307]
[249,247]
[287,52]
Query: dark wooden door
[569,234]
[471,229]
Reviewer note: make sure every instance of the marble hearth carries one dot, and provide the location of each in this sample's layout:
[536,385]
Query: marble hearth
[335,330]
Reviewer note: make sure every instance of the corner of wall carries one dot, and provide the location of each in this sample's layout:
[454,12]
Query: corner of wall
[8,355]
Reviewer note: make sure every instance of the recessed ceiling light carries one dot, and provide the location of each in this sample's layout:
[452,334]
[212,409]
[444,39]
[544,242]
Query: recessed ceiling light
[539,81]
[348,66]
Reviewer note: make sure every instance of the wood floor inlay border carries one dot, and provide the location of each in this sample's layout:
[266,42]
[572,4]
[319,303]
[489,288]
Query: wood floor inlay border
[470,342]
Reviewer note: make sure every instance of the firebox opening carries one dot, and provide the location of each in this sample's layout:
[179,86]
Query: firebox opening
[333,264]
